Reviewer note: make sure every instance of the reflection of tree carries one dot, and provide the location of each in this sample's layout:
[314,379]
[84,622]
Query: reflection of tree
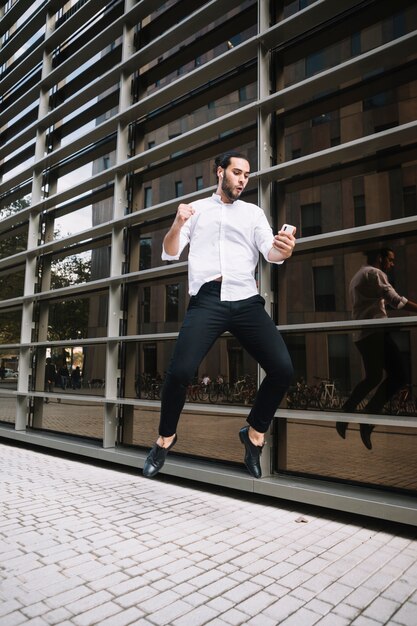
[10,327]
[11,282]
[69,319]
[69,271]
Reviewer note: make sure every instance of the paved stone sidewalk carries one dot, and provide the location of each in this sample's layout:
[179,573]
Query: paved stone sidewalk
[83,544]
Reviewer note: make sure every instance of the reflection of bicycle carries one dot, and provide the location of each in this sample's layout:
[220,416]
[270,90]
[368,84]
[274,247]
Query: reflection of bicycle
[148,387]
[96,383]
[192,392]
[329,398]
[323,396]
[243,391]
[402,403]
[218,392]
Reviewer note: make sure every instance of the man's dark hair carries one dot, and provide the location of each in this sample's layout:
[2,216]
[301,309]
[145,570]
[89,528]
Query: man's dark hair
[223,160]
[372,255]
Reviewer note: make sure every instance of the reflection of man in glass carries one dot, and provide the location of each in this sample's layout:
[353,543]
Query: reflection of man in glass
[369,291]
[225,235]
[50,375]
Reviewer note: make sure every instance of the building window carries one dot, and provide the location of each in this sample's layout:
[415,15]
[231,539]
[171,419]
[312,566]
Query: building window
[339,362]
[145,253]
[323,118]
[178,152]
[355,44]
[324,288]
[149,359]
[359,210]
[381,127]
[151,144]
[172,302]
[376,101]
[410,200]
[235,40]
[242,94]
[311,219]
[399,25]
[236,361]
[315,63]
[199,182]
[296,153]
[296,345]
[148,197]
[179,188]
[146,305]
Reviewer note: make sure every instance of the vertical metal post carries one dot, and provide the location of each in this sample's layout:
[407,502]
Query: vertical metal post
[31,278]
[264,190]
[117,248]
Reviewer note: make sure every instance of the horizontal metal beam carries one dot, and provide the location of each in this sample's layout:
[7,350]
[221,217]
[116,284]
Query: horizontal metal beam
[305,20]
[304,91]
[338,155]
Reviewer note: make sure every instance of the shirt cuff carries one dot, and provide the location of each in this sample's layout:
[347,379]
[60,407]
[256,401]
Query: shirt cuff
[402,303]
[265,252]
[168,257]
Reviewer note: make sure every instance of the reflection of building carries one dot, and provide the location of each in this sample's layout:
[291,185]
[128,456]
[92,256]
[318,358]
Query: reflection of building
[323,101]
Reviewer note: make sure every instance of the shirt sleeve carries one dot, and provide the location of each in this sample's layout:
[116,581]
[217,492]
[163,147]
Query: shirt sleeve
[388,292]
[264,237]
[184,240]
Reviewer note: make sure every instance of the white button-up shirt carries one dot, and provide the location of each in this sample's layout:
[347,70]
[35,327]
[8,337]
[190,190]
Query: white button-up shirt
[225,240]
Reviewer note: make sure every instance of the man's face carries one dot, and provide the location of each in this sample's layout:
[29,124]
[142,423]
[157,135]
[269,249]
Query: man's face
[234,178]
[388,262]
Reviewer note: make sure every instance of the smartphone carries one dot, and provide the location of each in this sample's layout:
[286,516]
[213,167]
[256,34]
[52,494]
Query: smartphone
[288,228]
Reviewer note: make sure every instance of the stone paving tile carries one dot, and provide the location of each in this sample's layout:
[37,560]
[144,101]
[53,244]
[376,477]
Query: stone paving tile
[82,544]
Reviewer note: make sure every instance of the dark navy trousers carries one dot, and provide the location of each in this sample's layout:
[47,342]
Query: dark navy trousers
[206,319]
[379,352]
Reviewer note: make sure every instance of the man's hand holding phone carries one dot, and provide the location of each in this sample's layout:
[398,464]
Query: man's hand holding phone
[284,241]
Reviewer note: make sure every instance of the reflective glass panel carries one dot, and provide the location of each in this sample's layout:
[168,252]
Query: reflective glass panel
[315,286]
[10,325]
[12,282]
[227,375]
[347,43]
[71,370]
[7,406]
[198,433]
[311,448]
[9,369]
[339,201]
[78,318]
[69,416]
[369,370]
[230,29]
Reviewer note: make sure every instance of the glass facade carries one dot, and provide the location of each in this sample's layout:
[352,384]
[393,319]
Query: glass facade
[111,114]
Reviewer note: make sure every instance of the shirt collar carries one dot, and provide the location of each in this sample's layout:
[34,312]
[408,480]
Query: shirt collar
[217,198]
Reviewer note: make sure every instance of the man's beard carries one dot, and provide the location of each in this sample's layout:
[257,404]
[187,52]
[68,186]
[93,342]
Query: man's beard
[228,190]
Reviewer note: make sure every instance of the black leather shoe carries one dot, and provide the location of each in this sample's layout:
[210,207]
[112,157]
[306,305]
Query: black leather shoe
[252,453]
[156,459]
[366,431]
[341,428]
